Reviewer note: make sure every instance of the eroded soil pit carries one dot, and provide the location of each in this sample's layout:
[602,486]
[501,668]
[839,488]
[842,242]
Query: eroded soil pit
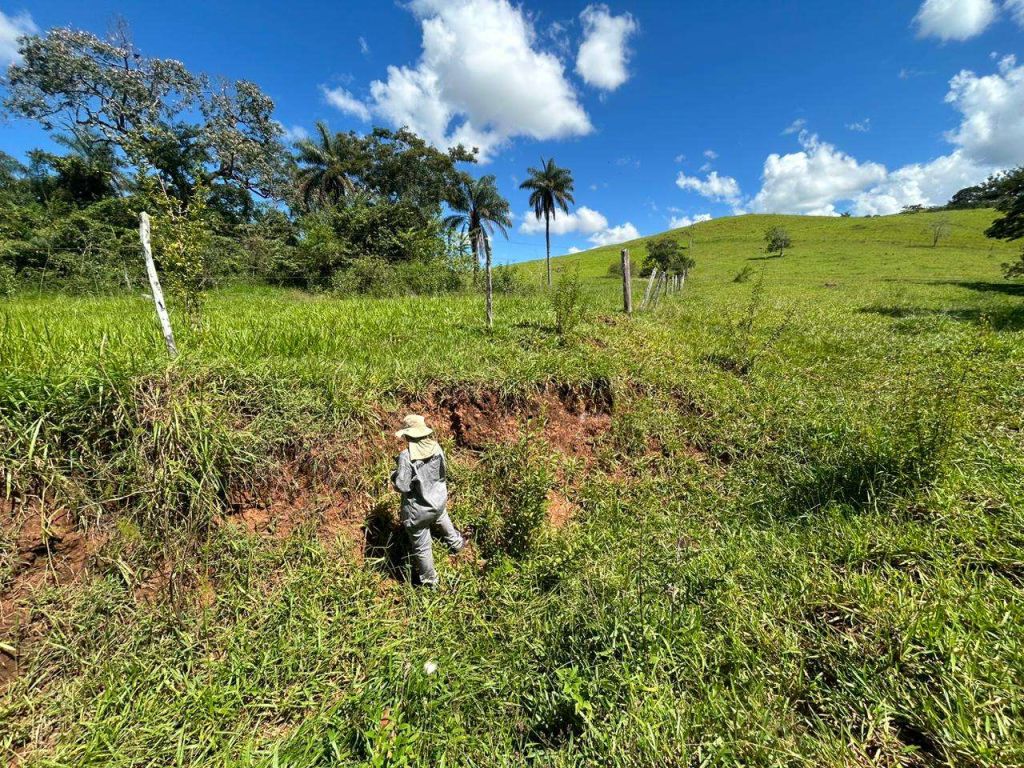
[337,486]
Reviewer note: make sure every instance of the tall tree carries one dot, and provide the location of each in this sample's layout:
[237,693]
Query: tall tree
[551,190]
[478,209]
[392,166]
[1008,193]
[324,163]
[153,112]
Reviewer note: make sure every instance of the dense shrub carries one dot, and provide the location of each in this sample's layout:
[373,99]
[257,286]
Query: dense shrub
[372,276]
[519,477]
[369,276]
[508,280]
[568,303]
[8,281]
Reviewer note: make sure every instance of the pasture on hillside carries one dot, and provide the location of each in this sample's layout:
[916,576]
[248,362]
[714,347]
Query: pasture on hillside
[770,522]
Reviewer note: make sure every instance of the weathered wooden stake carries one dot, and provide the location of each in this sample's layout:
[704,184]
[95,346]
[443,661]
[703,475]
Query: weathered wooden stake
[657,291]
[650,286]
[154,285]
[627,283]
[488,279]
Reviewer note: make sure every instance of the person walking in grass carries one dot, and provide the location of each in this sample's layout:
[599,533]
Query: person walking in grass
[421,479]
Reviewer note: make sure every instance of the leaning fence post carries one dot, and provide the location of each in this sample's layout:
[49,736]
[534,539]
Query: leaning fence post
[154,285]
[627,283]
[650,286]
[658,290]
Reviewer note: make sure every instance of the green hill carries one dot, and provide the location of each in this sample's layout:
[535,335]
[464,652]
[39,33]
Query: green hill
[824,246]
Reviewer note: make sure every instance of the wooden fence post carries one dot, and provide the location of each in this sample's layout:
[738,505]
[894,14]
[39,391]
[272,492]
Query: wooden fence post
[650,286]
[488,279]
[662,282]
[154,286]
[627,283]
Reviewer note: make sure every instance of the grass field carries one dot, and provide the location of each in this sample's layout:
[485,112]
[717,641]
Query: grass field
[772,522]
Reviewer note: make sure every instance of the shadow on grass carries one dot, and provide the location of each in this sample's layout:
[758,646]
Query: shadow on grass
[1000,319]
[1009,289]
[729,364]
[857,481]
[387,546]
[763,258]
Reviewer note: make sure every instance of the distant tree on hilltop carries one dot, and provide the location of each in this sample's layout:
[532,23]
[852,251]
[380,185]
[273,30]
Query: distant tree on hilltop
[777,240]
[669,256]
[989,194]
[939,229]
[1008,192]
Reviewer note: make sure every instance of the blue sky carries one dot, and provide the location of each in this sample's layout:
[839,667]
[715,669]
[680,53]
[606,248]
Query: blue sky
[665,111]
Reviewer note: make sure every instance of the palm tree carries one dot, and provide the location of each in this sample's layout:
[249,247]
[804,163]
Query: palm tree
[477,210]
[551,190]
[322,177]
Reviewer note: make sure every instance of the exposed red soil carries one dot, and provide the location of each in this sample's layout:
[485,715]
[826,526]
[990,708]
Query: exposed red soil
[323,485]
[570,419]
[50,550]
[560,510]
[326,485]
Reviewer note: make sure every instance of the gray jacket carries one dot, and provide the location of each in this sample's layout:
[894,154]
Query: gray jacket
[423,487]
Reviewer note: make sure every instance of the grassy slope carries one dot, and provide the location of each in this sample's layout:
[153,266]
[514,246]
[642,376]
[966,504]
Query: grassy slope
[821,563]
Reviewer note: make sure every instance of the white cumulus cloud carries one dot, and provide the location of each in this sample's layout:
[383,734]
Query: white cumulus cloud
[714,187]
[479,81]
[341,99]
[584,220]
[686,221]
[293,133]
[812,180]
[11,28]
[604,53]
[992,107]
[989,138]
[613,235]
[954,19]
[927,184]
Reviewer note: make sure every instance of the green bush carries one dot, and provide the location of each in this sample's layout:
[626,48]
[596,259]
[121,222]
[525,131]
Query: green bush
[519,478]
[431,278]
[568,302]
[8,281]
[508,280]
[368,276]
[371,276]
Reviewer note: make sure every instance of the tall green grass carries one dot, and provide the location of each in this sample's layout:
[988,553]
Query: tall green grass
[813,559]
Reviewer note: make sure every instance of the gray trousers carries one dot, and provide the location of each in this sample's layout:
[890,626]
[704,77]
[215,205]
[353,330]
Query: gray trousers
[421,553]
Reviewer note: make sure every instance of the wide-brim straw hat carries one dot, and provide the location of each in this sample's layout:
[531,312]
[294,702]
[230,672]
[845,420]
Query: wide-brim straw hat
[414,427]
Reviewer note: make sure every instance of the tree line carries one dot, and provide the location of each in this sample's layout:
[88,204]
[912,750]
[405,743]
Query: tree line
[379,213]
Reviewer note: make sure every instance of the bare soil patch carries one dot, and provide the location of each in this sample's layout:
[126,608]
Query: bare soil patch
[50,550]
